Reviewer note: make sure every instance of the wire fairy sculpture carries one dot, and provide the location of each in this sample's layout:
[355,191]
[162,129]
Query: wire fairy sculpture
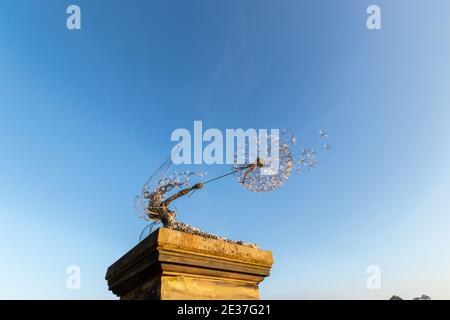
[162,189]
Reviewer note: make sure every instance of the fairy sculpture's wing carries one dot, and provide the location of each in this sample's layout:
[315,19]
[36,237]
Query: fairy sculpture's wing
[142,204]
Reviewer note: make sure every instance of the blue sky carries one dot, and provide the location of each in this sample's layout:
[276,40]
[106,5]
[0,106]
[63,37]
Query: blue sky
[86,116]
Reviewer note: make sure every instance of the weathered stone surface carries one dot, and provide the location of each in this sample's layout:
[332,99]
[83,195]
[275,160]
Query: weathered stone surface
[171,264]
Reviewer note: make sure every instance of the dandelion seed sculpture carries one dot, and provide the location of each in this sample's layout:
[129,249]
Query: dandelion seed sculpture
[266,173]
[254,171]
[308,156]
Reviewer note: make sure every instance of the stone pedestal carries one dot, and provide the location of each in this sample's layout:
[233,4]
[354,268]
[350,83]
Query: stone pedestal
[172,265]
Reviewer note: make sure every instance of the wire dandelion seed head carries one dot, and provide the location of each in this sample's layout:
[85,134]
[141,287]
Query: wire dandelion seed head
[267,172]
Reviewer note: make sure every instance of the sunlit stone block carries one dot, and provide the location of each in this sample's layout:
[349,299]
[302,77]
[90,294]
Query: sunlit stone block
[172,265]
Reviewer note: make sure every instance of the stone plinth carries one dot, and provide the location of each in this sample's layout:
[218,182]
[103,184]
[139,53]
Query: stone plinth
[171,265]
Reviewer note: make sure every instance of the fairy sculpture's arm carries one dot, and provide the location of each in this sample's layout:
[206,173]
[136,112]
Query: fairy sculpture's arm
[181,193]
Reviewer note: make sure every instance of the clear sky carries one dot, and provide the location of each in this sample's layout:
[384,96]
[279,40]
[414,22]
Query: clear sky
[86,117]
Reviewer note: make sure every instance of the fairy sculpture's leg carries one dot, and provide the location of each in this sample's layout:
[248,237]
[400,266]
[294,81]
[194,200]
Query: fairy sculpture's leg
[168,218]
